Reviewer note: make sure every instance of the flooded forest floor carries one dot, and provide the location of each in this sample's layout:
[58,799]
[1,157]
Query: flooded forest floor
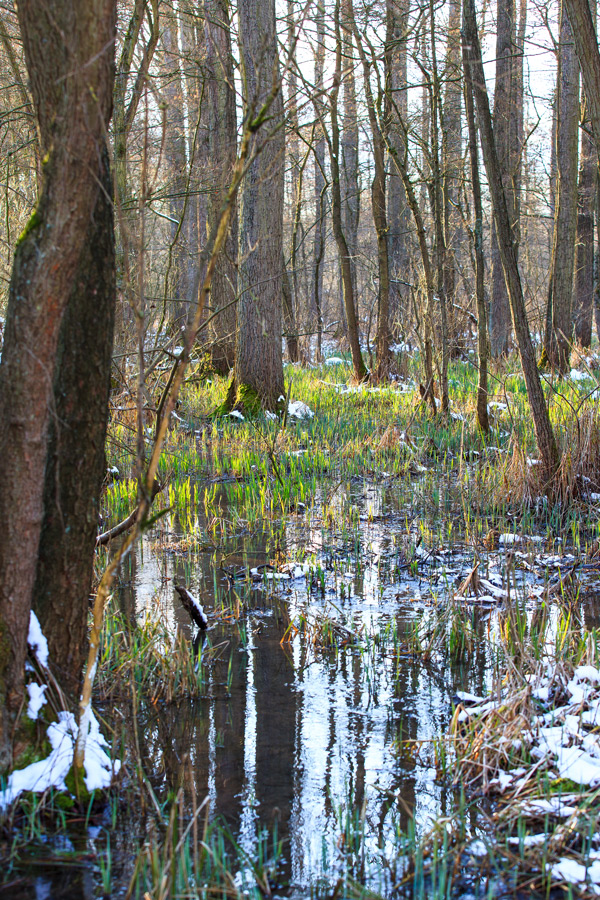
[398,693]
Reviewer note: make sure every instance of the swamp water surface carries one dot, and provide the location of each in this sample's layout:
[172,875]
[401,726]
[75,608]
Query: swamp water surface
[323,694]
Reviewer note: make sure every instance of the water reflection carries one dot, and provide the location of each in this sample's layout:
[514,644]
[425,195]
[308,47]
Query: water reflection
[309,740]
[320,743]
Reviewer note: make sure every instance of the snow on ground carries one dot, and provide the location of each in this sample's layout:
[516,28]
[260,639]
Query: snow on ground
[62,735]
[299,410]
[559,740]
[52,771]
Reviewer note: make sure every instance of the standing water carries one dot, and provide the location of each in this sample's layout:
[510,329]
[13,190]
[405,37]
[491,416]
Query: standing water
[314,741]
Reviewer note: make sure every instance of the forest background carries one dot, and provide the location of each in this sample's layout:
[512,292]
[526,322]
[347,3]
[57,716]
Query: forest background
[246,181]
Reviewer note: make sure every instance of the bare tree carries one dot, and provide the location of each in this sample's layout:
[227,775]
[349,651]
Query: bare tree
[537,402]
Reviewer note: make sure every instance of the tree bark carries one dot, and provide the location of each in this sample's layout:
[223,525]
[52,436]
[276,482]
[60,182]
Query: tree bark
[320,196]
[258,378]
[178,290]
[349,184]
[76,463]
[437,203]
[545,436]
[348,290]
[586,46]
[222,149]
[71,85]
[378,195]
[128,88]
[290,284]
[402,167]
[396,80]
[451,127]
[482,332]
[583,292]
[559,333]
[503,109]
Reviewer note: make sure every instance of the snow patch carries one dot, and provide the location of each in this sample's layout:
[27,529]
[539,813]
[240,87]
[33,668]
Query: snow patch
[37,642]
[36,699]
[299,410]
[52,771]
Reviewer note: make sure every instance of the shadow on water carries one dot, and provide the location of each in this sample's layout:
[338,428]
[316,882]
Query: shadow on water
[317,743]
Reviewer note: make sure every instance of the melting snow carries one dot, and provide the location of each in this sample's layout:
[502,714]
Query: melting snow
[36,699]
[299,410]
[52,771]
[37,641]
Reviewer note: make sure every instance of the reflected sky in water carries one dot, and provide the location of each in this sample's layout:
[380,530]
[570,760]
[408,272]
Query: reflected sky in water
[294,736]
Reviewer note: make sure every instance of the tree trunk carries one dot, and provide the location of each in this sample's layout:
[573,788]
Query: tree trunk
[537,402]
[193,48]
[290,284]
[258,380]
[558,337]
[177,289]
[482,332]
[586,46]
[222,149]
[402,167]
[517,121]
[289,318]
[349,186]
[583,291]
[503,109]
[397,204]
[441,250]
[452,158]
[320,196]
[71,85]
[379,214]
[360,370]
[76,463]
[128,88]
